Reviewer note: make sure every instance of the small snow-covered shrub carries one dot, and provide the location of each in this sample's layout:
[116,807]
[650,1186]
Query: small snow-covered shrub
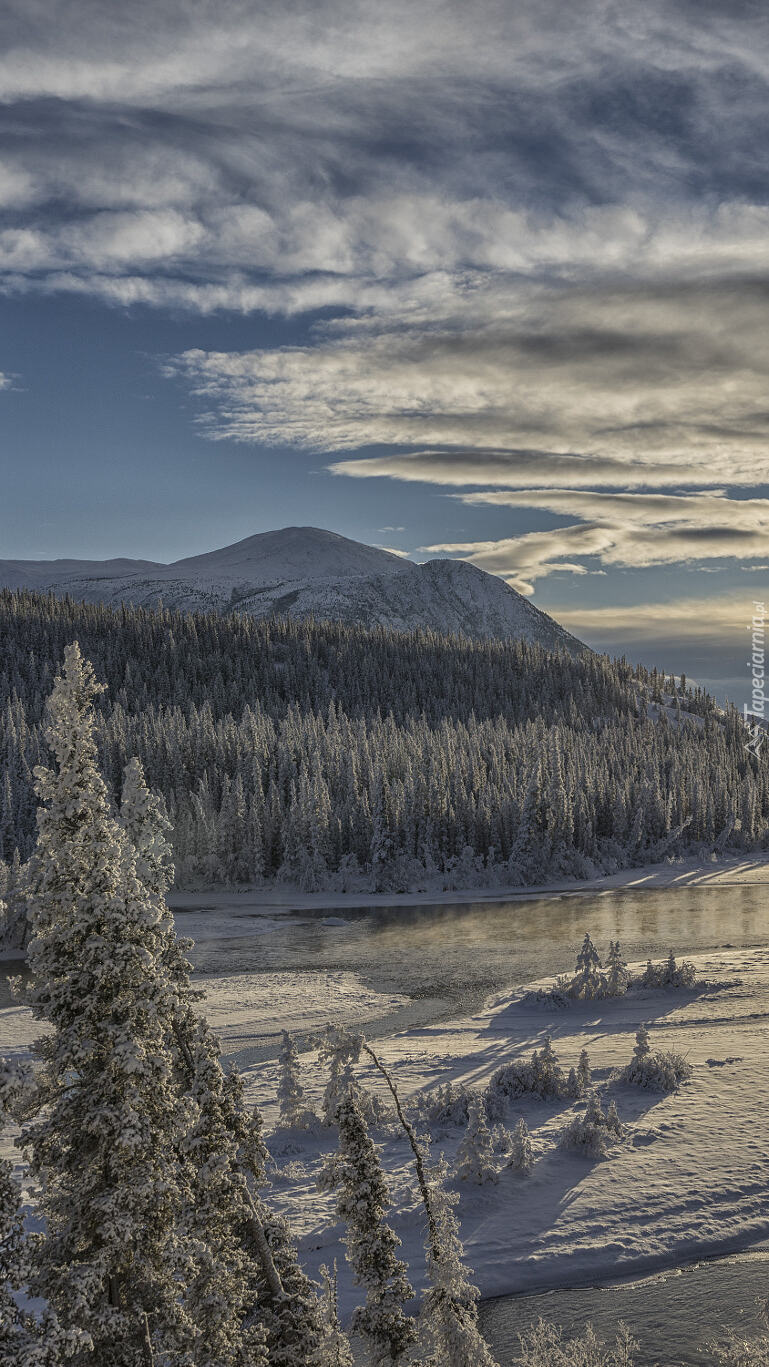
[545,1346]
[590,981]
[669,974]
[662,1072]
[446,1105]
[475,1155]
[541,1076]
[521,1153]
[594,1133]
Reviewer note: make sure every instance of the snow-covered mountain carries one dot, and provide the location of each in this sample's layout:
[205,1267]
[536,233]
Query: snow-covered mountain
[304,572]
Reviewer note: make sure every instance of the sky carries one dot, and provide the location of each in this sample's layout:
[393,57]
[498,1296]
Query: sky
[486,280]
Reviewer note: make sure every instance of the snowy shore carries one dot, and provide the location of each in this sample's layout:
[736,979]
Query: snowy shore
[277,899]
[690,1181]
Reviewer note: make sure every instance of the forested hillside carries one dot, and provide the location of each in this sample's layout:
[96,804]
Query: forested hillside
[336,756]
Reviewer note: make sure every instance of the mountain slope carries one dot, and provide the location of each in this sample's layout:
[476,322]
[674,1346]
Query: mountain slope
[307,572]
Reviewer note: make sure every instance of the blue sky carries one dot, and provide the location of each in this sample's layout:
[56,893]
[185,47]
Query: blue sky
[486,280]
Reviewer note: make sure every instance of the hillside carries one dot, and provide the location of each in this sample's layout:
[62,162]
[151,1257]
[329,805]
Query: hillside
[303,572]
[334,756]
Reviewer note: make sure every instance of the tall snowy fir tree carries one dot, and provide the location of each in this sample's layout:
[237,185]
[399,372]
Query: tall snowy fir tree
[449,1311]
[107,1123]
[247,1294]
[355,1172]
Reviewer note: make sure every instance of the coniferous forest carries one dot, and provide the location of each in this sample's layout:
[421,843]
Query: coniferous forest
[334,756]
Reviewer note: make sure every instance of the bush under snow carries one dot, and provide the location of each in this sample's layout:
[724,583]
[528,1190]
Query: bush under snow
[545,1346]
[541,1076]
[662,1072]
[594,1133]
[668,974]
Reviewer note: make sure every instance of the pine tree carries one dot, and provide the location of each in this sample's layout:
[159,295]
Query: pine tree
[588,981]
[449,1314]
[336,1345]
[584,1074]
[220,1292]
[106,1126]
[642,1047]
[356,1173]
[616,976]
[246,1264]
[25,1341]
[475,1155]
[613,1121]
[293,1114]
[521,1153]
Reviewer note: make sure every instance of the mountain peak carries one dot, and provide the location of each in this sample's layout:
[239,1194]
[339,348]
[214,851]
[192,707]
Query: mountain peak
[310,572]
[293,553]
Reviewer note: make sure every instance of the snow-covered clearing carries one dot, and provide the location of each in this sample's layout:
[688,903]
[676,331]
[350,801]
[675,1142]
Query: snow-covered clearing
[692,1179]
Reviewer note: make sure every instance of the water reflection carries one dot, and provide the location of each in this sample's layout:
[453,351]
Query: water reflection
[462,952]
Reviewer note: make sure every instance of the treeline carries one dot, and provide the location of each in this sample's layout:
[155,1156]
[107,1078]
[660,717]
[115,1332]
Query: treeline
[338,756]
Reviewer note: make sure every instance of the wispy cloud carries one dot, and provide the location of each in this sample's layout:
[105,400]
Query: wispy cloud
[537,235]
[617,529]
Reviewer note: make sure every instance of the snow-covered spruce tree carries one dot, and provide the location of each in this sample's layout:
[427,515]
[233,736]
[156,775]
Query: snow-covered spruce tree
[616,971]
[143,818]
[25,1340]
[246,1264]
[336,1345]
[584,1073]
[448,1320]
[293,1114]
[592,1134]
[222,1278]
[338,1059]
[355,1172]
[588,981]
[104,1133]
[521,1152]
[542,1076]
[475,1155]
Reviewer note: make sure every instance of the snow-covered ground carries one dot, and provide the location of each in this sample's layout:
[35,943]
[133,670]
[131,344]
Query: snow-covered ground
[691,1179]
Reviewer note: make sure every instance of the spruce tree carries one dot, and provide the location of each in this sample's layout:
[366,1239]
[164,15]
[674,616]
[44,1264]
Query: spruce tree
[449,1312]
[246,1263]
[355,1172]
[336,1345]
[616,976]
[293,1114]
[104,1132]
[521,1152]
[475,1155]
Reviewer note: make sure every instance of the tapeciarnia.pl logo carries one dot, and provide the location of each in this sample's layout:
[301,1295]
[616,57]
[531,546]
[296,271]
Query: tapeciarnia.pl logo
[756,664]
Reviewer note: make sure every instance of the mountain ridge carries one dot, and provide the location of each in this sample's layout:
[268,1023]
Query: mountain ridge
[308,572]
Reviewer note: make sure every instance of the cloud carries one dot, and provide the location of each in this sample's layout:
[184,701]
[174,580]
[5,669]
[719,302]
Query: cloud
[722,618]
[669,376]
[536,237]
[617,530]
